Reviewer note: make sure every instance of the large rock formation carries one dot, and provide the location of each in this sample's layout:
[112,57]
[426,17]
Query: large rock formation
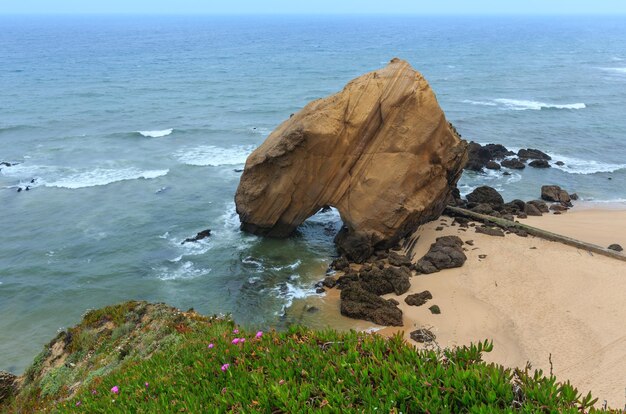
[380,151]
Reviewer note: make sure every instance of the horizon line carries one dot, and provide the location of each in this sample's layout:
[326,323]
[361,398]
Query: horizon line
[287,13]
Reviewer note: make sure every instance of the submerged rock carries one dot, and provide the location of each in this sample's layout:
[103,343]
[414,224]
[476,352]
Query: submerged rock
[616,247]
[199,236]
[358,303]
[380,151]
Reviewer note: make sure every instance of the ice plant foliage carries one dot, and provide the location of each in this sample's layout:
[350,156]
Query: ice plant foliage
[331,371]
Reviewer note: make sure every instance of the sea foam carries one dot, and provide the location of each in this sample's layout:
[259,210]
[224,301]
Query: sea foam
[103,176]
[157,133]
[522,105]
[184,270]
[579,166]
[616,70]
[212,156]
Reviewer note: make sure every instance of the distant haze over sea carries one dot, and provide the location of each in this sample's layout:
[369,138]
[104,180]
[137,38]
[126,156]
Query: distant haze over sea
[131,132]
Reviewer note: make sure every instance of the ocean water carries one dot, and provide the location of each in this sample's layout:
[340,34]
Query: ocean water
[134,130]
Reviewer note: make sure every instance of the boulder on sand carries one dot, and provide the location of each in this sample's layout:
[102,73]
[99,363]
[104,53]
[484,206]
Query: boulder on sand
[380,151]
[445,253]
[556,194]
[358,303]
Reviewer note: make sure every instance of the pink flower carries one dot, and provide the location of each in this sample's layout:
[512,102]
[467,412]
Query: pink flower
[211,345]
[225,367]
[224,390]
[242,340]
[235,341]
[78,404]
[94,392]
[235,331]
[115,390]
[281,382]
[259,334]
[147,385]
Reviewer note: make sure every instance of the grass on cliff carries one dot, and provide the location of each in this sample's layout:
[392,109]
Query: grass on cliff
[204,366]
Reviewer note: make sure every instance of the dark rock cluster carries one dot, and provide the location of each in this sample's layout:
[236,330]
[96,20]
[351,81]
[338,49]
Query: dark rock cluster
[496,156]
[486,200]
[361,290]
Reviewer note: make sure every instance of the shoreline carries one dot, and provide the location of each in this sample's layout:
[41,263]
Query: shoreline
[530,296]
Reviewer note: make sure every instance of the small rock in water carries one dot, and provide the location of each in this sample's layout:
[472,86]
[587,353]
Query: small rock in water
[539,164]
[238,170]
[616,247]
[492,165]
[573,196]
[434,310]
[423,335]
[514,164]
[533,154]
[560,163]
[320,290]
[201,235]
[19,189]
[160,190]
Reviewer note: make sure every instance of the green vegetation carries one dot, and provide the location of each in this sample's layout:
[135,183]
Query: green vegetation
[169,361]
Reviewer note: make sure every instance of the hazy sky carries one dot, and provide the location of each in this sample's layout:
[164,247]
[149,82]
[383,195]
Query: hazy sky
[318,6]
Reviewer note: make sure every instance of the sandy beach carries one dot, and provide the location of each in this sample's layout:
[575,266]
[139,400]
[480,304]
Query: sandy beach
[532,297]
